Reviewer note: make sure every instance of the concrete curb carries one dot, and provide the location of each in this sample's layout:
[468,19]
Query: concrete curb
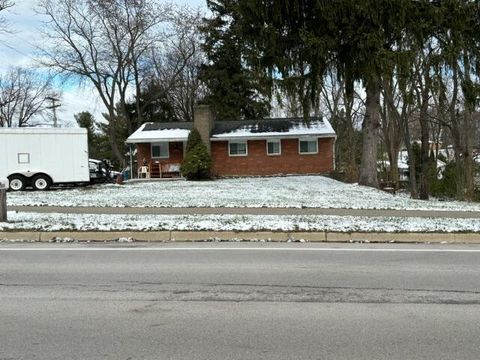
[192,236]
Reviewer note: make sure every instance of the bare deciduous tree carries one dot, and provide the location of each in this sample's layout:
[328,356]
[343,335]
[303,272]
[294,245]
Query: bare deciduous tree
[4,4]
[397,112]
[345,110]
[176,72]
[392,113]
[83,47]
[23,96]
[133,29]
[456,114]
[110,45]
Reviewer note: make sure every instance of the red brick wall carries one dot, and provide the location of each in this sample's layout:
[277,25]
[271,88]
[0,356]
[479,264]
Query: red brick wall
[259,163]
[143,152]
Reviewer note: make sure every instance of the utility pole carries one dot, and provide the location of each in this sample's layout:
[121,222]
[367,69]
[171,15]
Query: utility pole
[54,107]
[3,203]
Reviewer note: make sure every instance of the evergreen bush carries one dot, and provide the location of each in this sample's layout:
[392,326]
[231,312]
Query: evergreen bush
[197,163]
[447,186]
[193,140]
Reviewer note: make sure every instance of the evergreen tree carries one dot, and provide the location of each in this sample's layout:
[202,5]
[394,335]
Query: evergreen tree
[98,146]
[296,41]
[197,163]
[194,139]
[155,108]
[236,91]
[85,120]
[116,131]
[457,79]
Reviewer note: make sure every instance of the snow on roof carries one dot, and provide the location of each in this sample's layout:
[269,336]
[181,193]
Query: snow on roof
[223,130]
[402,164]
[272,128]
[476,158]
[153,132]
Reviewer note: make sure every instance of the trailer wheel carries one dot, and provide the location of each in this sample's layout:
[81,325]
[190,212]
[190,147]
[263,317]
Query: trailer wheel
[41,182]
[17,183]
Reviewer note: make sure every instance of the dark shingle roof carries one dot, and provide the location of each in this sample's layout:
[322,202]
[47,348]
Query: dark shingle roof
[225,130]
[278,125]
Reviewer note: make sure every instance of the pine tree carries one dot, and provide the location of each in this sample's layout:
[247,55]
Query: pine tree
[85,120]
[197,163]
[155,108]
[235,91]
[98,146]
[295,41]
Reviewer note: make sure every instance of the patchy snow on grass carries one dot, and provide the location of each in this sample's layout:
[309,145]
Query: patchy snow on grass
[283,192]
[89,222]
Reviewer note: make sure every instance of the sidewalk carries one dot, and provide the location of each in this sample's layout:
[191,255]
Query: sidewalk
[249,211]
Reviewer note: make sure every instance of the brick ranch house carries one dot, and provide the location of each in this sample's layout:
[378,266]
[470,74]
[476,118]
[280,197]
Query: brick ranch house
[238,148]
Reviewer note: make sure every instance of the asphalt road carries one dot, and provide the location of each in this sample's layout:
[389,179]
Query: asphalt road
[239,301]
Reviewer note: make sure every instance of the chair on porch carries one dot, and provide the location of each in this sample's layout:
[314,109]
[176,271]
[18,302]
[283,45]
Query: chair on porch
[144,172]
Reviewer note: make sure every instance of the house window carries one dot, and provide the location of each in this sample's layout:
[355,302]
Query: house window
[274,147]
[237,149]
[23,158]
[308,146]
[160,150]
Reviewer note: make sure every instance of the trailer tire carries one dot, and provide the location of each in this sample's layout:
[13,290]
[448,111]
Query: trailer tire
[41,182]
[17,182]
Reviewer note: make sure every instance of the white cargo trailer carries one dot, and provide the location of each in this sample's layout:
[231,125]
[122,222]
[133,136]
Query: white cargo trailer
[40,157]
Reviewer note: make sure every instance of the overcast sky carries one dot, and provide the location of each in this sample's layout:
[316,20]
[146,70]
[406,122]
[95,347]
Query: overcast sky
[18,49]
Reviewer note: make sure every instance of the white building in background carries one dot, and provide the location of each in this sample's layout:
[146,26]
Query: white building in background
[403,167]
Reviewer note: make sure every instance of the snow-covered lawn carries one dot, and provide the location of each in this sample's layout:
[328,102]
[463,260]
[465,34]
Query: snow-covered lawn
[286,192]
[85,222]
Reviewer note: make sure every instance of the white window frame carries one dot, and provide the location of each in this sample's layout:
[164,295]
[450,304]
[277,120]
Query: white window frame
[23,158]
[279,141]
[238,142]
[308,140]
[158,144]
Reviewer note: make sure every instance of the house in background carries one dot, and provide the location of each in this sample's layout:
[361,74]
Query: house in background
[239,148]
[404,168]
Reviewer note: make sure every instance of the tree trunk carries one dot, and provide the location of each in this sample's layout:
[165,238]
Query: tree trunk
[465,173]
[411,161]
[469,176]
[371,123]
[112,137]
[393,157]
[351,170]
[464,130]
[425,159]
[116,151]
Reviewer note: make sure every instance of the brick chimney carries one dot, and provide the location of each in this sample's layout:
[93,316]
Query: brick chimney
[204,121]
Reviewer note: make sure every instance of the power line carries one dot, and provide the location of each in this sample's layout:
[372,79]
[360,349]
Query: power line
[17,51]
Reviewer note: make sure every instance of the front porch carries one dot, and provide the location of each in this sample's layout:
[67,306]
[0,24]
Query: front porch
[160,150]
[153,180]
[160,160]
